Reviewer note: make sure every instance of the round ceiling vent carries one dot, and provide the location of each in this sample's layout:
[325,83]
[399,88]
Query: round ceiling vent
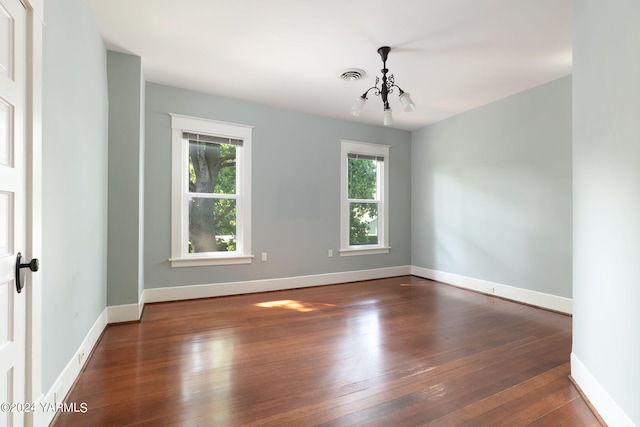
[351,74]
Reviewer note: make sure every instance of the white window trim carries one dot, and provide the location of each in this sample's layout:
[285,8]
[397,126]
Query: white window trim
[179,216]
[365,148]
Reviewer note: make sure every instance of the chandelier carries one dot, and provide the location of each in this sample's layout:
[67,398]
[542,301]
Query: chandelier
[386,87]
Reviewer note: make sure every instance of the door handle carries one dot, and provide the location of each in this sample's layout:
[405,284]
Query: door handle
[32,265]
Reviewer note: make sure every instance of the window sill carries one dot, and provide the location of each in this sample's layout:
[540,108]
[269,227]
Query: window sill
[365,251]
[208,260]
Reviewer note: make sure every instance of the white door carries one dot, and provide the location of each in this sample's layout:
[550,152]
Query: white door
[12,209]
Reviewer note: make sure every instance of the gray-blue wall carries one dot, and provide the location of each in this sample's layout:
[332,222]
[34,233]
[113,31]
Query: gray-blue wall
[125,272]
[491,192]
[74,146]
[606,129]
[295,190]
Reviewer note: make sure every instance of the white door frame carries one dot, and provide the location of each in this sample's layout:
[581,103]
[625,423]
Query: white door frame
[33,154]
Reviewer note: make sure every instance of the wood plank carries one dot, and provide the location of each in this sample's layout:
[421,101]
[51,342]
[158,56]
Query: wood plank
[403,351]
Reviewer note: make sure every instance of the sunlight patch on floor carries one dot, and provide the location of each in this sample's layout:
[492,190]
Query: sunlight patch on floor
[294,305]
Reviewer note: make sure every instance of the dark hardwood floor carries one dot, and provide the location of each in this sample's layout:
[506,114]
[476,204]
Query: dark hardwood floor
[393,352]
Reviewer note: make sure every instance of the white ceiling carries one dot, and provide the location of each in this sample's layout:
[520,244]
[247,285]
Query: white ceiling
[451,55]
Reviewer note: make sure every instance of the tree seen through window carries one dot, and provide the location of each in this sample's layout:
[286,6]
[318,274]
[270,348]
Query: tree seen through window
[212,205]
[363,200]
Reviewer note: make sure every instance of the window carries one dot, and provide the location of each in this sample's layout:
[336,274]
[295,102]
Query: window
[211,192]
[364,191]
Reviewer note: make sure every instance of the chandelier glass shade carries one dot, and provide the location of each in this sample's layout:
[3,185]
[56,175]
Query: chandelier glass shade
[387,85]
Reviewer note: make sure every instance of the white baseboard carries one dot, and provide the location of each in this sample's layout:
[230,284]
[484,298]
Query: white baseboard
[607,408]
[124,313]
[177,293]
[539,299]
[133,312]
[68,376]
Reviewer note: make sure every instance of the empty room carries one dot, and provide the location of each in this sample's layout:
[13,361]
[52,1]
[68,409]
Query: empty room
[267,213]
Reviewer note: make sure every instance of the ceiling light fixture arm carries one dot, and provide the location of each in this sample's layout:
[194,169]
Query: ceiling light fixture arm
[391,84]
[374,87]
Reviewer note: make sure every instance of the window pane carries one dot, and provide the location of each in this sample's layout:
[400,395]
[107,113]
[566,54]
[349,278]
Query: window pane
[212,168]
[362,179]
[363,224]
[212,225]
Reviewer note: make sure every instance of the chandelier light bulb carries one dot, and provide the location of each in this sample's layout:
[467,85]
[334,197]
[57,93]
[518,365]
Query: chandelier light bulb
[407,102]
[357,105]
[388,118]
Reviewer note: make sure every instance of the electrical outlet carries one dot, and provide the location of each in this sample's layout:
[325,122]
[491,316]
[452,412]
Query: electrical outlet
[491,290]
[81,355]
[330,253]
[264,256]
[57,395]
